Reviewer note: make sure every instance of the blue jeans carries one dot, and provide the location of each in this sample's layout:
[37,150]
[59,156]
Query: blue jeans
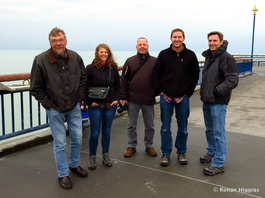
[182,111]
[100,118]
[57,125]
[214,119]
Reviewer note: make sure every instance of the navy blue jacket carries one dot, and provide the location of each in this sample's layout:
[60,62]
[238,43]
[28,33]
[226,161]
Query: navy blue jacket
[176,74]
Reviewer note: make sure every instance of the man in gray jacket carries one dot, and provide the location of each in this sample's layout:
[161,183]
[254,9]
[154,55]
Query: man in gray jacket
[137,90]
[220,76]
[58,80]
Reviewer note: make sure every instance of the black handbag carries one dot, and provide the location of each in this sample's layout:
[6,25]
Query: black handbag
[99,92]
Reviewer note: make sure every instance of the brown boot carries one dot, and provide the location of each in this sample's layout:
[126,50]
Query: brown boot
[129,152]
[151,151]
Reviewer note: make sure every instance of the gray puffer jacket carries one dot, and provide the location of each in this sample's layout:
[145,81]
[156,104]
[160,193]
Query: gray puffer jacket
[220,76]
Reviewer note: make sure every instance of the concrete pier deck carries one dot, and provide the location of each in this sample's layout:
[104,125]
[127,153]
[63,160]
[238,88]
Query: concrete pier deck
[31,173]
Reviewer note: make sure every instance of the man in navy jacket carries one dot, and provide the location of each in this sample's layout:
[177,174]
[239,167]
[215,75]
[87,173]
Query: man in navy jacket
[175,75]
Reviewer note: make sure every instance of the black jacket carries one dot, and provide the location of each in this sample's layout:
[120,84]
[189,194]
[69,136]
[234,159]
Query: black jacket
[220,76]
[100,78]
[141,89]
[55,85]
[176,74]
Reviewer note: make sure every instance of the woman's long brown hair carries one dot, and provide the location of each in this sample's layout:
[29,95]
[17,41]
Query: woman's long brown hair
[110,59]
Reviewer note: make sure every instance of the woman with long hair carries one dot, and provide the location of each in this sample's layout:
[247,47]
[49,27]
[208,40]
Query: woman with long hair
[103,72]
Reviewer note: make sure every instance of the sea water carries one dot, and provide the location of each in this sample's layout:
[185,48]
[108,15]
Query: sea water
[20,61]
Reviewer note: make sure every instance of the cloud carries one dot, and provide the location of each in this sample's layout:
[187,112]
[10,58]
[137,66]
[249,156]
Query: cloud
[119,23]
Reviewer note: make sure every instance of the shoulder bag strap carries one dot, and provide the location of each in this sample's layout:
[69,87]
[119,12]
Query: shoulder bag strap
[129,80]
[109,76]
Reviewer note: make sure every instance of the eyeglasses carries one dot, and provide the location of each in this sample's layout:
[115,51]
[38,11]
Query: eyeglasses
[56,41]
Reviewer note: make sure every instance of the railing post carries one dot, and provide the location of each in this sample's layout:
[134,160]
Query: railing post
[13,112]
[3,114]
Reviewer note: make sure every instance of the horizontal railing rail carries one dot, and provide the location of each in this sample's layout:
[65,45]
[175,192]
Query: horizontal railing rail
[21,113]
[246,57]
[249,55]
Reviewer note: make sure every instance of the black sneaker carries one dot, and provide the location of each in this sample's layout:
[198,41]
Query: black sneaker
[182,159]
[212,170]
[164,161]
[207,158]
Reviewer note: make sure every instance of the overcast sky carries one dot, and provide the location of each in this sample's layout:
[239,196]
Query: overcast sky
[25,24]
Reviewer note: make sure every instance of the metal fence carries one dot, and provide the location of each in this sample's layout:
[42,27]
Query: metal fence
[20,113]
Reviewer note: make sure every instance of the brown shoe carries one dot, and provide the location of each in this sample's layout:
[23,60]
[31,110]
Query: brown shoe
[151,151]
[65,182]
[129,152]
[79,171]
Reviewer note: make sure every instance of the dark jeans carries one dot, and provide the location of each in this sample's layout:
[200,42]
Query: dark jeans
[100,120]
[182,111]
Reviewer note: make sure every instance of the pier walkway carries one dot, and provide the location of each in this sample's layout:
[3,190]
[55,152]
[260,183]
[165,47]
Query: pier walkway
[31,173]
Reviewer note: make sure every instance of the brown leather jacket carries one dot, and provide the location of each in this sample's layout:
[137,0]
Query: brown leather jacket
[141,88]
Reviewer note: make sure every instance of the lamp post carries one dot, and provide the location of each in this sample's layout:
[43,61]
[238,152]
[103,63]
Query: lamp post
[254,13]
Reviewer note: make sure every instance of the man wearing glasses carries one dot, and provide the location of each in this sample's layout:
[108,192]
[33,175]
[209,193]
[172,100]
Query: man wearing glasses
[58,80]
